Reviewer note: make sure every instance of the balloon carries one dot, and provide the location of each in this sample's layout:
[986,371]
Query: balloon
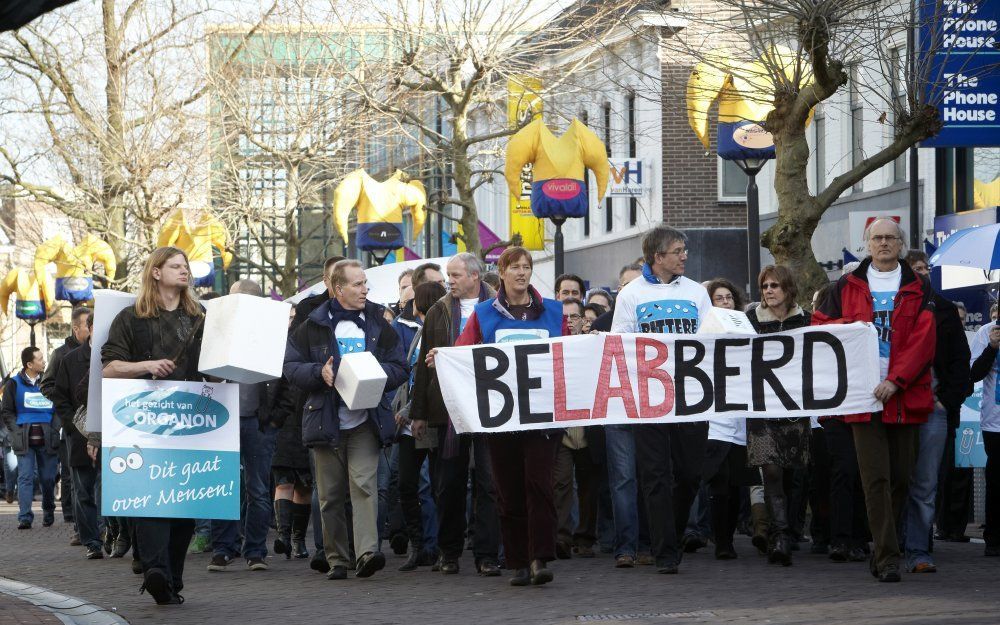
[380,208]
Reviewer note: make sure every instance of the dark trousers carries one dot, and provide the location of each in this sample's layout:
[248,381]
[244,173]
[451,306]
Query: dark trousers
[522,465]
[991,535]
[954,494]
[729,461]
[163,544]
[819,488]
[411,460]
[586,473]
[452,475]
[670,460]
[87,504]
[65,481]
[886,454]
[848,520]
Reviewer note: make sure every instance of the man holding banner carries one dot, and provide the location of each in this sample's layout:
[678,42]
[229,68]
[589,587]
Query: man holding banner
[664,301]
[159,337]
[888,294]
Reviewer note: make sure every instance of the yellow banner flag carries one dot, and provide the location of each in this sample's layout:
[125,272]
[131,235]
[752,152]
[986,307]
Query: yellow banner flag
[522,102]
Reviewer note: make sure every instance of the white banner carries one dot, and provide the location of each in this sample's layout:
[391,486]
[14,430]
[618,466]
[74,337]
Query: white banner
[107,304]
[659,378]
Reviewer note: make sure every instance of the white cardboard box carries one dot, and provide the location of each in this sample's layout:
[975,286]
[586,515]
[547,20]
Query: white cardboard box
[360,380]
[725,321]
[244,338]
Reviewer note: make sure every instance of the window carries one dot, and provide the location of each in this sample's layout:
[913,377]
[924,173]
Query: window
[857,120]
[819,119]
[897,85]
[609,212]
[633,204]
[732,182]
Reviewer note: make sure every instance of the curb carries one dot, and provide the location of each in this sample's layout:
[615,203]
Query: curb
[70,610]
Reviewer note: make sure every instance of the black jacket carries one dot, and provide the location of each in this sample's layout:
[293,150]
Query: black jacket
[308,349]
[68,392]
[49,377]
[951,359]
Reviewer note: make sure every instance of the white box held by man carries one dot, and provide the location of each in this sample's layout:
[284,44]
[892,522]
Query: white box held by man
[725,321]
[360,380]
[244,338]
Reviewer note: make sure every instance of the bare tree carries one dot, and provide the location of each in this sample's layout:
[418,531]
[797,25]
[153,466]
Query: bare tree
[286,126]
[442,74]
[795,55]
[98,115]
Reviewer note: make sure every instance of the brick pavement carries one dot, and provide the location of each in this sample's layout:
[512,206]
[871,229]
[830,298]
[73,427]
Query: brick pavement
[16,612]
[814,590]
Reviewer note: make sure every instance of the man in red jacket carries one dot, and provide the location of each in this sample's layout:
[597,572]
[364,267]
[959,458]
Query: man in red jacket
[886,293]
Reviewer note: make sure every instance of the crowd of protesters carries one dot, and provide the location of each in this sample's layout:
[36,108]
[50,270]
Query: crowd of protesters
[878,488]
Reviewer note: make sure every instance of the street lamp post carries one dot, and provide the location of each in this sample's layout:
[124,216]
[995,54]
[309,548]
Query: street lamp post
[751,167]
[559,221]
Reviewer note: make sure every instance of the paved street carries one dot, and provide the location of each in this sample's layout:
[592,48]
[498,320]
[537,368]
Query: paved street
[966,590]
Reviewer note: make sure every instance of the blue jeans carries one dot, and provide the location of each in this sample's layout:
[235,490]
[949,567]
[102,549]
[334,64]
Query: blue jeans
[699,520]
[256,451]
[918,514]
[47,465]
[624,488]
[428,511]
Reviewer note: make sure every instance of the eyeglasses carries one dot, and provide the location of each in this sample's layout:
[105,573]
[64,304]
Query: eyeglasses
[723,298]
[770,286]
[574,317]
[681,252]
[884,238]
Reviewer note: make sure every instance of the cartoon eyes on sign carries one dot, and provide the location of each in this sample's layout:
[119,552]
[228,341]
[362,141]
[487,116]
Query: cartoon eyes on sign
[132,461]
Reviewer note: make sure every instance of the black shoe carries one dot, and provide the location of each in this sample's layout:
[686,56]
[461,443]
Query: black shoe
[522,577]
[692,543]
[725,553]
[48,520]
[256,564]
[436,567]
[399,543]
[449,567]
[319,563]
[299,550]
[781,552]
[412,562]
[563,551]
[856,555]
[890,574]
[539,574]
[95,553]
[122,545]
[175,599]
[9,496]
[158,586]
[667,568]
[369,563]
[283,544]
[488,568]
[337,572]
[219,562]
[136,567]
[109,542]
[760,543]
[958,538]
[838,553]
[24,525]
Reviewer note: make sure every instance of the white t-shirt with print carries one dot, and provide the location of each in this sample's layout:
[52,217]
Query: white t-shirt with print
[678,307]
[468,305]
[350,340]
[884,285]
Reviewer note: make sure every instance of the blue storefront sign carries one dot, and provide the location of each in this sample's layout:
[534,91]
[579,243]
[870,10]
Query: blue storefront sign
[957,48]
[977,299]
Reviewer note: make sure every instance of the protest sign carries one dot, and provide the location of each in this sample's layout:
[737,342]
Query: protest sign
[659,378]
[170,449]
[969,448]
[107,304]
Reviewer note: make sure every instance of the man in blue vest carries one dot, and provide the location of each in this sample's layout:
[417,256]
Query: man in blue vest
[28,416]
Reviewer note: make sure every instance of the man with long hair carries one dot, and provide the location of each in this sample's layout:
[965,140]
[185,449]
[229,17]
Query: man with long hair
[159,337]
